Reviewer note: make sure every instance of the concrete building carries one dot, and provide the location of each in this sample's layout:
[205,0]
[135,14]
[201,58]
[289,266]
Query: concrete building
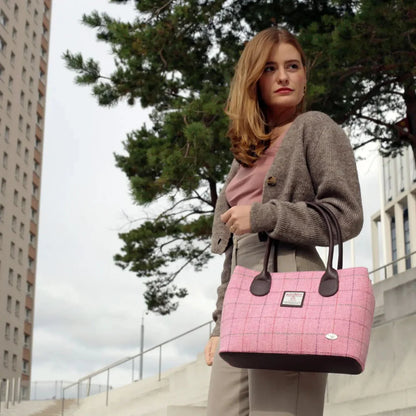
[394,226]
[24,45]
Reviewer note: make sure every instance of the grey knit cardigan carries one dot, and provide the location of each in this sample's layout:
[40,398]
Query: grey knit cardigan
[315,162]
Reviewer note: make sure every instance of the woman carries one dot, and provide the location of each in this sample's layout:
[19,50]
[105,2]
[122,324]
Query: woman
[283,157]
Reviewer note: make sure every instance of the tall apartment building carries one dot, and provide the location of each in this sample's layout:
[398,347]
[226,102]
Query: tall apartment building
[24,44]
[394,226]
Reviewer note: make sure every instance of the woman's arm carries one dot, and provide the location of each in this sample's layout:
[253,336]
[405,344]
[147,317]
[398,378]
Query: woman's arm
[332,170]
[225,278]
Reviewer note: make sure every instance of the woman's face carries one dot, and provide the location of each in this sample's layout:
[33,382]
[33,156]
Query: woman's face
[283,81]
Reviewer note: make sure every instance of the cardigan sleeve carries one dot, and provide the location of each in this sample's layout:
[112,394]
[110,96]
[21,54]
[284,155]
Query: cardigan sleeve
[225,278]
[333,174]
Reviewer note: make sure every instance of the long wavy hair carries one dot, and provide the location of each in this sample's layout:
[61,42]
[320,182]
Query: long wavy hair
[249,133]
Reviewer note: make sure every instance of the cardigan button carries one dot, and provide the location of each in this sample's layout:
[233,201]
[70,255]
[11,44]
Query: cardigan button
[271,181]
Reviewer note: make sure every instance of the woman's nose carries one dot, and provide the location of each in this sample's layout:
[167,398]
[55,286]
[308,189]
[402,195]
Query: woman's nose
[282,77]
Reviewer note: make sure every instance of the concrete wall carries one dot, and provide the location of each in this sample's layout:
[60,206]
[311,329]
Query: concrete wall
[388,385]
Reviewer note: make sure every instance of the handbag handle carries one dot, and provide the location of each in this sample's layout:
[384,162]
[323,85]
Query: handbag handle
[329,284]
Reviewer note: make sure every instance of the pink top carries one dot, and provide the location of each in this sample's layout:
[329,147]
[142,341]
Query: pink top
[247,185]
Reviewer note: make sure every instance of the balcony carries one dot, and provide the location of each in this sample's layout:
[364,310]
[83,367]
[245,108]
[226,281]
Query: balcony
[30,277]
[29,302]
[35,203]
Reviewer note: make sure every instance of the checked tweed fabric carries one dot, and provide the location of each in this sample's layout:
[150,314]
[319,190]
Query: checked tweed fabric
[324,334]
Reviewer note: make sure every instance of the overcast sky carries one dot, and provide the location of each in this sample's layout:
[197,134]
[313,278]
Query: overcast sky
[88,311]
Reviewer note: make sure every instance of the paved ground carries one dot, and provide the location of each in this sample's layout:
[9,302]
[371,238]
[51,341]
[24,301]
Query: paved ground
[38,408]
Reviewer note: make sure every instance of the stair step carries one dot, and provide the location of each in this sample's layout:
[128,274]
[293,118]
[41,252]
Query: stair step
[186,411]
[410,411]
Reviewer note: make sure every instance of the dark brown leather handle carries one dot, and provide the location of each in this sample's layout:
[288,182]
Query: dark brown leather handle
[261,284]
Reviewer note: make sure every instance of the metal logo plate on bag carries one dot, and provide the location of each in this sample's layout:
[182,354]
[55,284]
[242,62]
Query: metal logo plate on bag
[293,299]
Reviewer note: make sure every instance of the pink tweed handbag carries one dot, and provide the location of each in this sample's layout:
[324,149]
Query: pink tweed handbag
[299,321]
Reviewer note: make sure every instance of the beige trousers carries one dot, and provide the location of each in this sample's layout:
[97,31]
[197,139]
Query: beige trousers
[241,392]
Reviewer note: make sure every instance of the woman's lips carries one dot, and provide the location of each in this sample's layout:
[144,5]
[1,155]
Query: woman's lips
[284,90]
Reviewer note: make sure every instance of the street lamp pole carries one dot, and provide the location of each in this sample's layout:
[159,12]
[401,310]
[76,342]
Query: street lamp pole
[141,348]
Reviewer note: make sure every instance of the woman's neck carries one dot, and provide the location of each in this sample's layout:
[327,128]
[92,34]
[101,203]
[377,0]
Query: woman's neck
[280,123]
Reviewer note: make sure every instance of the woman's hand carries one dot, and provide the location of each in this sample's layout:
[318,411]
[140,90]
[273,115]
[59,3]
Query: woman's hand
[209,350]
[237,219]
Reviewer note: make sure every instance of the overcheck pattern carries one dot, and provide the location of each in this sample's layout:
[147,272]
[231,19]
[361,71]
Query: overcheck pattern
[338,326]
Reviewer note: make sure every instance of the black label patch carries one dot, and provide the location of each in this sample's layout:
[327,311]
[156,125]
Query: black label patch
[293,299]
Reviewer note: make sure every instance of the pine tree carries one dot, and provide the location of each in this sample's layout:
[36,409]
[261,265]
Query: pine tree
[177,57]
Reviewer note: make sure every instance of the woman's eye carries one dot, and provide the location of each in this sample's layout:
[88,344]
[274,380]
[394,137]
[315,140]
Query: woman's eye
[269,68]
[293,67]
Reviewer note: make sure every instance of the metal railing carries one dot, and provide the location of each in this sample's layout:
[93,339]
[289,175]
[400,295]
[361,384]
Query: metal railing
[389,269]
[106,370]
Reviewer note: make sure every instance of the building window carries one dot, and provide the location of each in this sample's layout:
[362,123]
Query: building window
[17,309]
[12,250]
[9,303]
[17,173]
[34,215]
[31,264]
[29,289]
[20,122]
[4,21]
[16,335]
[7,331]
[14,34]
[5,160]
[401,173]
[9,108]
[23,204]
[1,241]
[27,131]
[16,198]
[10,83]
[19,147]
[20,256]
[27,341]
[6,359]
[24,179]
[1,71]
[6,134]
[393,244]
[1,212]
[16,11]
[33,239]
[19,281]
[25,367]
[3,45]
[26,154]
[11,274]
[28,317]
[14,363]
[3,186]
[22,230]
[388,180]
[406,238]
[35,190]
[12,58]
[14,222]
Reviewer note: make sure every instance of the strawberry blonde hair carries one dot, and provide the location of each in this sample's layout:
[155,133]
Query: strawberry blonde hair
[249,133]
